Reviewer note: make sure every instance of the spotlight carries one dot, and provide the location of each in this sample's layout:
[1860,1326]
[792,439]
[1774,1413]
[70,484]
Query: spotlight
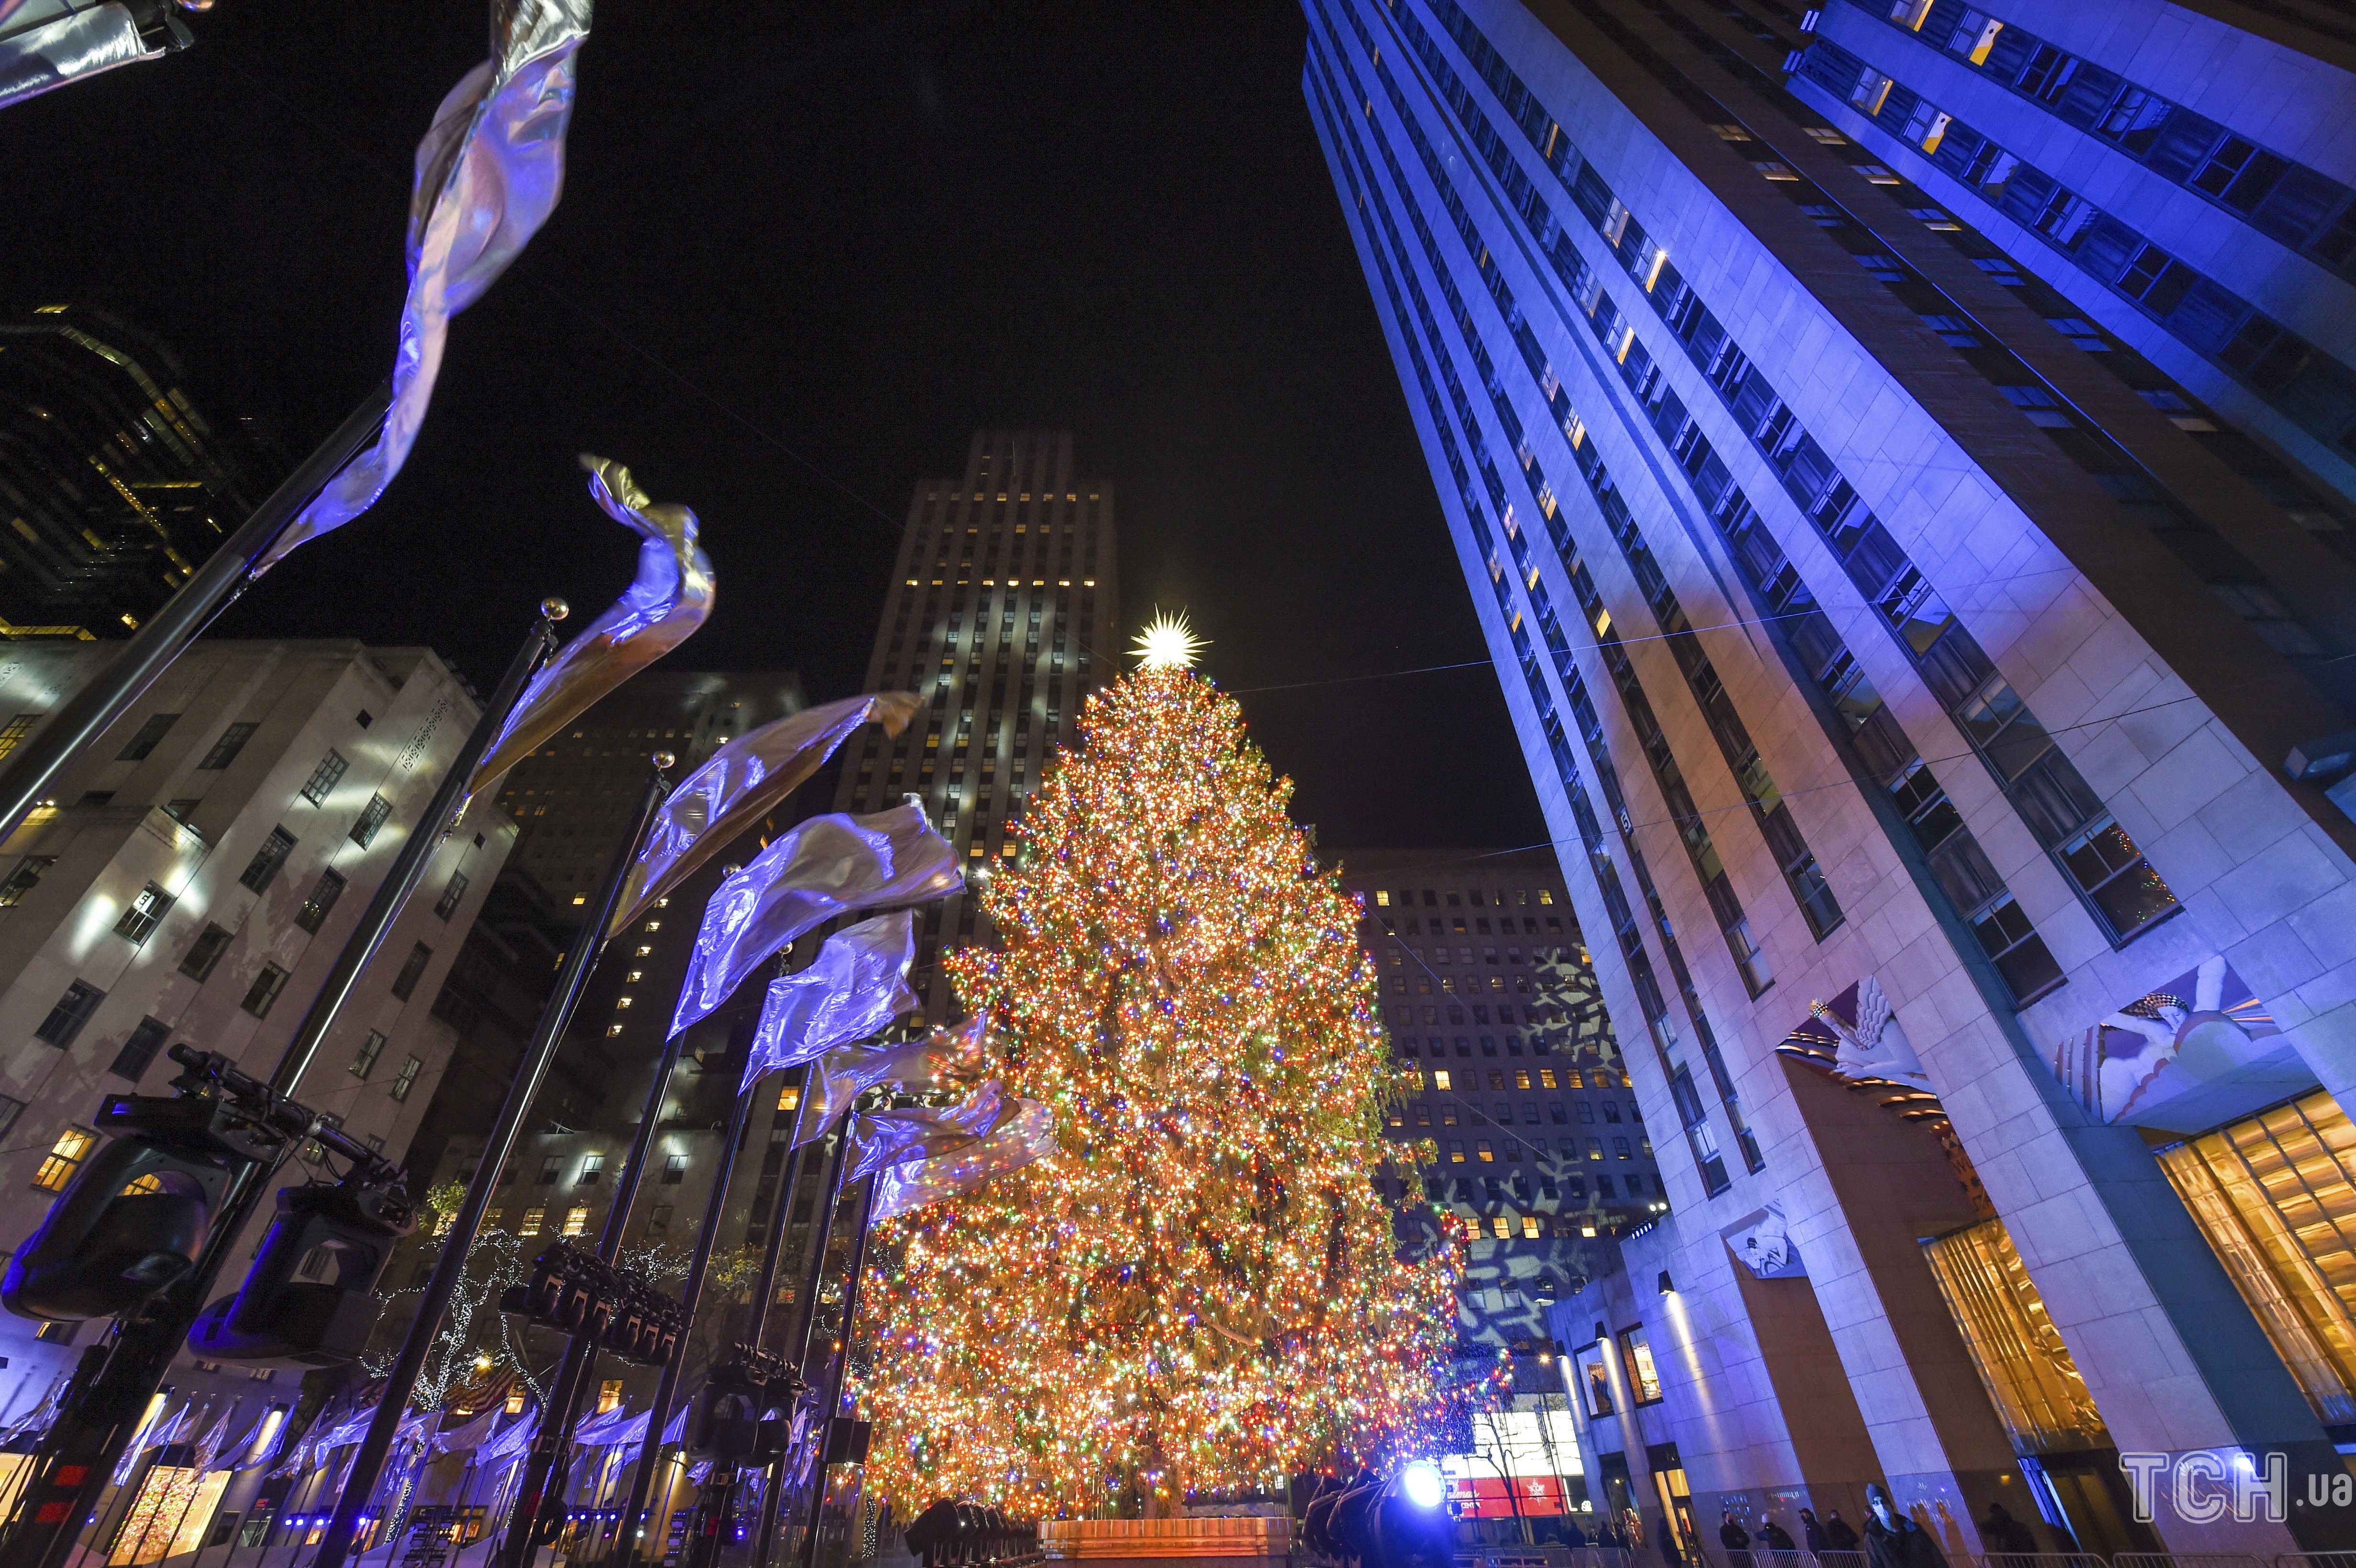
[1423,1484]
[1666,1289]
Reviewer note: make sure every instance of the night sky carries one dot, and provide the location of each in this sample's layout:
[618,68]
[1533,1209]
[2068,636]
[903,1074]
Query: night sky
[804,250]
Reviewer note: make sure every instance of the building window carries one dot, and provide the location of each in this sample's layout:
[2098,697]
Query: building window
[532,1220]
[263,993]
[72,1010]
[21,880]
[452,892]
[1636,1354]
[658,1220]
[322,902]
[58,1333]
[406,1079]
[225,750]
[593,1171]
[789,1098]
[13,733]
[145,740]
[364,1061]
[267,860]
[372,818]
[65,1157]
[10,1109]
[144,913]
[411,969]
[576,1222]
[140,1050]
[552,1170]
[674,1169]
[206,952]
[325,777]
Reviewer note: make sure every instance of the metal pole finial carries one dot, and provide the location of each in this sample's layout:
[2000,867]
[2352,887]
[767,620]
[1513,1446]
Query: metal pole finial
[555,609]
[664,761]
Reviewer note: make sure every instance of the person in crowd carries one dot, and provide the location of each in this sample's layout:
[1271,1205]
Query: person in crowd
[1775,1536]
[1732,1536]
[1812,1531]
[1894,1541]
[1838,1534]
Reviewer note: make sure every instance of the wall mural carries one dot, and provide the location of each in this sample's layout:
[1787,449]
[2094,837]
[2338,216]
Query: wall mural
[2198,1049]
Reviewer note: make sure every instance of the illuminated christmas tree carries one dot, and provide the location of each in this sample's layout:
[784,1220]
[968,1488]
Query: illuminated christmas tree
[1199,1291]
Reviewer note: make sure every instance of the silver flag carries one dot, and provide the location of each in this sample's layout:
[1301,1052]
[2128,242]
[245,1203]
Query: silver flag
[949,1056]
[855,988]
[880,1139]
[1026,1136]
[828,865]
[668,599]
[740,782]
[488,173]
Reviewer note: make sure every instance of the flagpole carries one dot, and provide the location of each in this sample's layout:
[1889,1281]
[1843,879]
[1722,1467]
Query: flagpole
[451,1265]
[767,1293]
[690,1296]
[804,1315]
[840,1363]
[95,1422]
[550,1447]
[35,764]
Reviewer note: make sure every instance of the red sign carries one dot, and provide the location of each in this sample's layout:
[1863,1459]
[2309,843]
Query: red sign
[1485,1497]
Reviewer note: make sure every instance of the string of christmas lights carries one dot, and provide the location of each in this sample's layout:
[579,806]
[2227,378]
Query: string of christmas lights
[1200,1291]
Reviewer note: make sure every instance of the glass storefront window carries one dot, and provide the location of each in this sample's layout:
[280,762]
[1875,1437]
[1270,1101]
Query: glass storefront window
[2276,1195]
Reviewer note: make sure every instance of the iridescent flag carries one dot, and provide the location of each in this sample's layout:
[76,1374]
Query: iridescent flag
[892,1136]
[739,783]
[1028,1135]
[854,987]
[666,602]
[948,1056]
[831,865]
[488,173]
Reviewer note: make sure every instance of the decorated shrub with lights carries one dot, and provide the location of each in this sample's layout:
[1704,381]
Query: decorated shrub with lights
[1199,1291]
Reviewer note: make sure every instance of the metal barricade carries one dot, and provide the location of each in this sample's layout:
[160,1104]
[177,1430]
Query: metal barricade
[1593,1556]
[1849,1560]
[2063,1560]
[2199,1559]
[2316,1560]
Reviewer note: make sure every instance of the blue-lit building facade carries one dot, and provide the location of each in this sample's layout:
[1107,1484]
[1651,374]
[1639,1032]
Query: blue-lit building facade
[1933,655]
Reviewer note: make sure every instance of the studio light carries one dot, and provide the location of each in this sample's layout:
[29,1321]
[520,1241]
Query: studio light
[1422,1484]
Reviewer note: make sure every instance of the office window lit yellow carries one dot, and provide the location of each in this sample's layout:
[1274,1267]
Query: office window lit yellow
[65,1157]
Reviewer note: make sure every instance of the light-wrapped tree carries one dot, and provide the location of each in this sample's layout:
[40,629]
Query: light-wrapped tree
[1200,1290]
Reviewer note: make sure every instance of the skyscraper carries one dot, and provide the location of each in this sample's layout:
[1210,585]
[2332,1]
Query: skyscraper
[1001,611]
[194,882]
[1489,998]
[1931,667]
[114,484]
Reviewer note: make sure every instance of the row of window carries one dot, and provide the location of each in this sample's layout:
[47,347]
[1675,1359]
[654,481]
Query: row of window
[1493,1190]
[2100,860]
[1601,857]
[2103,863]
[1438,1046]
[2309,387]
[1601,861]
[2281,199]
[1405,898]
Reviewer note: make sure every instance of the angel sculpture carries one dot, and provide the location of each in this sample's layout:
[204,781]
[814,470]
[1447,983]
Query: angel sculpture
[1875,1048]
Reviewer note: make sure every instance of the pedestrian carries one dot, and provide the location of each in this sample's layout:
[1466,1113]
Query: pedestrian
[1893,1541]
[1838,1536]
[1812,1532]
[1775,1536]
[1572,1536]
[2002,1532]
[1732,1536]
